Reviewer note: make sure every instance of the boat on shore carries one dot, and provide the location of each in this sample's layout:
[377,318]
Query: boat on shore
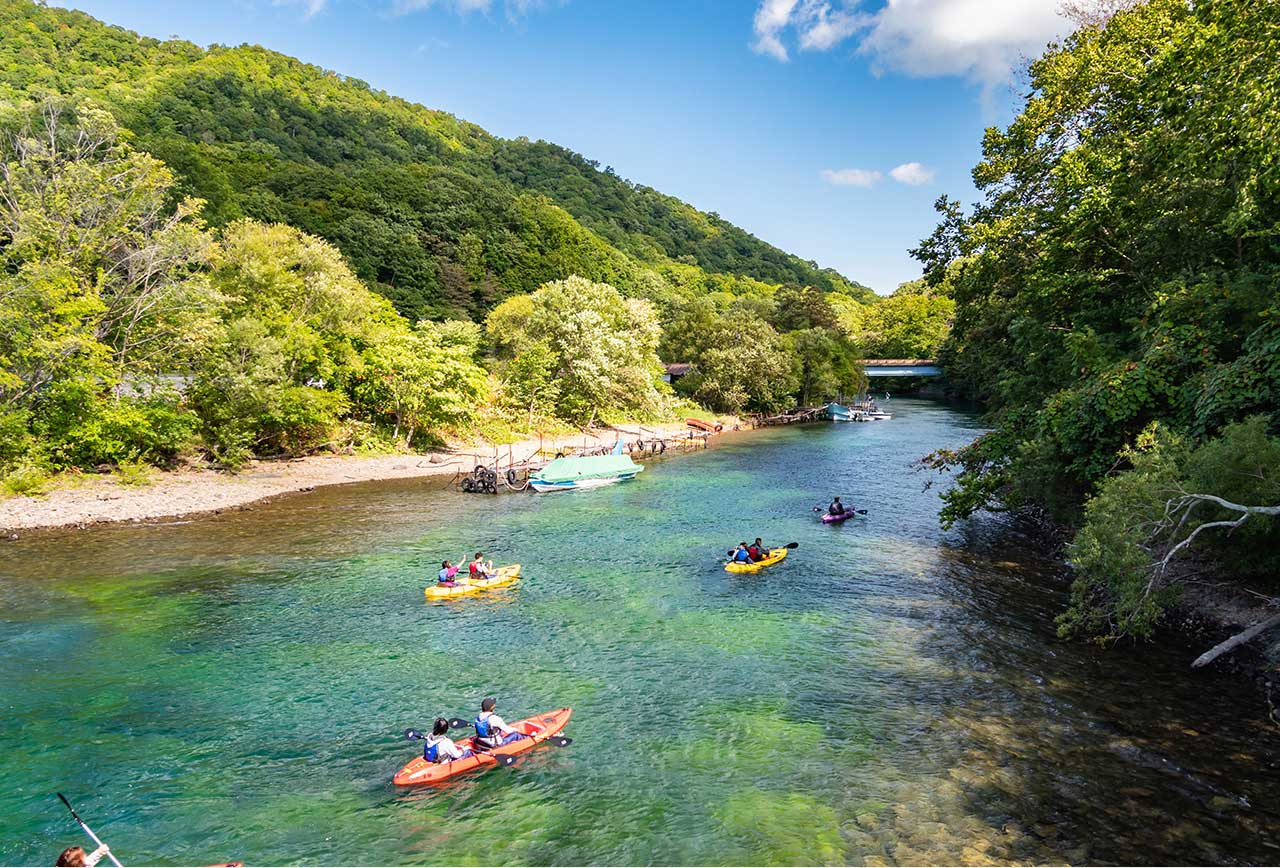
[588,471]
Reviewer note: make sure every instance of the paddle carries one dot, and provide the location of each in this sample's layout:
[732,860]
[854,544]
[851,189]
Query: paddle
[823,510]
[88,831]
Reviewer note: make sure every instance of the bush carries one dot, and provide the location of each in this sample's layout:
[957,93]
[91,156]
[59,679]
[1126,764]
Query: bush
[27,478]
[153,430]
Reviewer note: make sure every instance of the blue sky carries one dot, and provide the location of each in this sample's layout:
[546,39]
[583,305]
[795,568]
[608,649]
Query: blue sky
[787,117]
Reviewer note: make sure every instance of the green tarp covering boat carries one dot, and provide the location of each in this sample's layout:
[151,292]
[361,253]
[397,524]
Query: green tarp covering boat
[567,474]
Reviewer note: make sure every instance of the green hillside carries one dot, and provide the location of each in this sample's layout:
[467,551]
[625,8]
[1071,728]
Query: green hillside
[433,212]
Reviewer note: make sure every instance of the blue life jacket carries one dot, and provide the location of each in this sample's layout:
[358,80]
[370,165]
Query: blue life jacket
[483,729]
[431,753]
[742,556]
[443,575]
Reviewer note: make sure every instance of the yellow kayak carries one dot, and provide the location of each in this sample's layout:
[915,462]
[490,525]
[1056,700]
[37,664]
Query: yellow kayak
[775,555]
[502,576]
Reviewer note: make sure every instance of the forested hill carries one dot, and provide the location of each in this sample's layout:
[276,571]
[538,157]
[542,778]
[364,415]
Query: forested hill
[433,212]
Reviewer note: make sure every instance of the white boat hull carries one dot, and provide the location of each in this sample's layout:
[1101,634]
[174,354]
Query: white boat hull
[576,484]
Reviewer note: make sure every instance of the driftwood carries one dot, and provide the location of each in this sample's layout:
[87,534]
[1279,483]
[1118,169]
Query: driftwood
[1236,641]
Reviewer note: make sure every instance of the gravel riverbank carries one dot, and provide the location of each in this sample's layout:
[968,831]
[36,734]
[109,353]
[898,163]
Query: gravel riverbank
[98,499]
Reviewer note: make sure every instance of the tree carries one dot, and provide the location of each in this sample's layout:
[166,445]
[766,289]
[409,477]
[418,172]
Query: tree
[745,365]
[604,347]
[910,324]
[100,280]
[1177,504]
[1118,271]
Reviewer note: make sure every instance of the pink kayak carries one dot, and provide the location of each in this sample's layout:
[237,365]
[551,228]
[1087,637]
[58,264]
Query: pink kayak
[828,518]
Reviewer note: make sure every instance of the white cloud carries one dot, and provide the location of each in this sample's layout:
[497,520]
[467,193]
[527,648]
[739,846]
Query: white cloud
[914,174]
[310,8]
[982,40]
[852,177]
[771,18]
[824,27]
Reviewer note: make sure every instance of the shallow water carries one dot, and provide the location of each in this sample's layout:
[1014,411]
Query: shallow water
[234,687]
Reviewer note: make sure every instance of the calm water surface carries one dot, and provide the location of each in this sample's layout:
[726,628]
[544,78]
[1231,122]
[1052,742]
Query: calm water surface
[234,687]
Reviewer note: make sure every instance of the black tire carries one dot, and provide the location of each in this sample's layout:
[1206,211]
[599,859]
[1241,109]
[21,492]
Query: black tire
[512,477]
[468,484]
[662,446]
[559,455]
[490,486]
[639,445]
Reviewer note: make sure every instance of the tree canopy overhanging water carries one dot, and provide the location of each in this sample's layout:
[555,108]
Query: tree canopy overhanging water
[235,686]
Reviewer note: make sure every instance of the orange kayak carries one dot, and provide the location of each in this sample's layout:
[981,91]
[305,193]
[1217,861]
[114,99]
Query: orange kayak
[541,726]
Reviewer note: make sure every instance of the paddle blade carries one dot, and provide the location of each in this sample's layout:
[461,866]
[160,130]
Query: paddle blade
[505,760]
[459,723]
[861,512]
[412,734]
[560,740]
[792,545]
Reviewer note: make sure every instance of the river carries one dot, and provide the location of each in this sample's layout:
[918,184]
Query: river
[235,686]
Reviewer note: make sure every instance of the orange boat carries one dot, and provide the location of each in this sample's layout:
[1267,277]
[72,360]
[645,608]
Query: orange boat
[699,425]
[541,726]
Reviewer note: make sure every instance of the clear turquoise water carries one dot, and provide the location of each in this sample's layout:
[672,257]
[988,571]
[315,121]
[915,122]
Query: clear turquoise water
[234,687]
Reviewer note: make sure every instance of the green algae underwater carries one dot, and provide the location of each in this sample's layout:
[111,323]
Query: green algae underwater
[235,686]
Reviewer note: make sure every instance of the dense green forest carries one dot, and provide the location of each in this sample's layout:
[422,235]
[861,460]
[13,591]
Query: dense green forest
[227,253]
[432,212]
[1118,304]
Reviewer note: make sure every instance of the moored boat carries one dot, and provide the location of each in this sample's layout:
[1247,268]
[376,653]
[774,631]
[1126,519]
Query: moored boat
[589,471]
[838,412]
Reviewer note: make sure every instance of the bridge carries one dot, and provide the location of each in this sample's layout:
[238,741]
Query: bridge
[901,367]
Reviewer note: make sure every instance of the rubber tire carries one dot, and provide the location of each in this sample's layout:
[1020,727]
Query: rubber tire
[512,477]
[468,484]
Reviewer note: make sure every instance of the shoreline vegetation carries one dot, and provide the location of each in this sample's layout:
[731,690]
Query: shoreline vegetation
[85,500]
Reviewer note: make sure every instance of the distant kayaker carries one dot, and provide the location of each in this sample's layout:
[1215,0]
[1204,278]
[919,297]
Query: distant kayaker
[75,856]
[446,575]
[440,748]
[480,568]
[742,555]
[757,550]
[492,731]
[836,507]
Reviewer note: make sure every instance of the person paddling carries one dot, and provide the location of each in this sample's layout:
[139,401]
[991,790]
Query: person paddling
[440,748]
[836,507]
[447,574]
[757,550]
[480,568]
[742,554]
[76,856]
[492,731]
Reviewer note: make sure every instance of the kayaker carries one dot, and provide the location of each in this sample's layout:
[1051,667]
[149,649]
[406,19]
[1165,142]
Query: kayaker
[75,856]
[492,731]
[742,555]
[836,507]
[446,575]
[757,550]
[440,748]
[480,568]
